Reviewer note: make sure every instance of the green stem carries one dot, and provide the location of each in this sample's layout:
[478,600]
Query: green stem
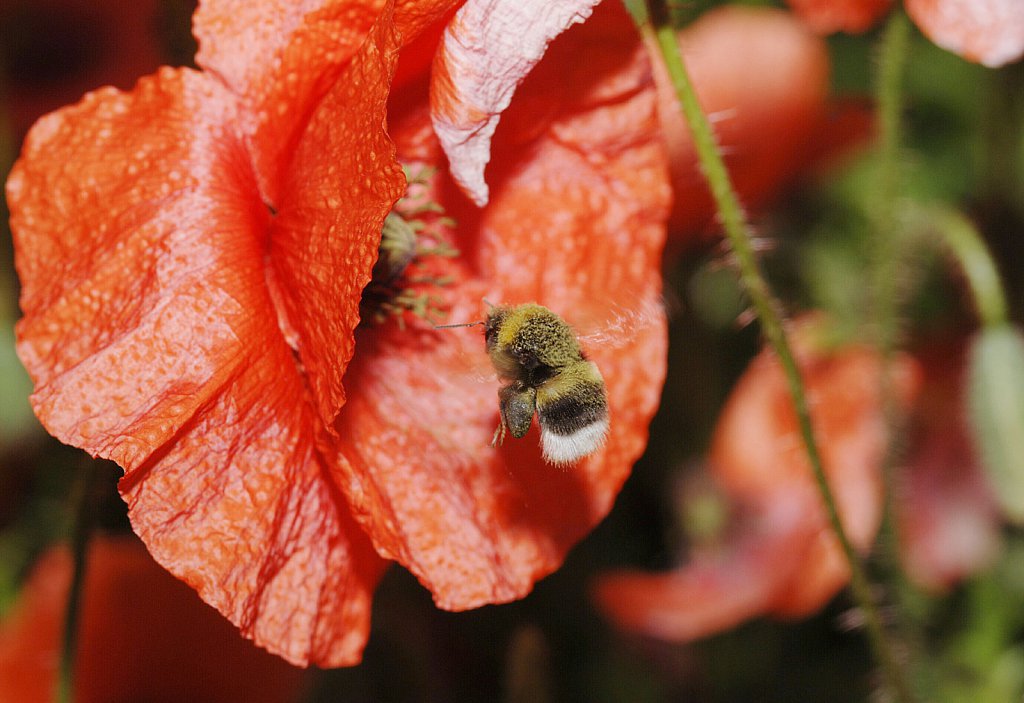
[964,241]
[892,62]
[81,527]
[887,241]
[889,247]
[740,238]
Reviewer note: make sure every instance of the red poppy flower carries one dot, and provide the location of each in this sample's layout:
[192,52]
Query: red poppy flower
[852,16]
[55,50]
[763,80]
[990,32]
[166,643]
[948,517]
[193,256]
[781,558]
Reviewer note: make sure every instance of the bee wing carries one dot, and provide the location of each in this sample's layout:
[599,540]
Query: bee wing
[621,325]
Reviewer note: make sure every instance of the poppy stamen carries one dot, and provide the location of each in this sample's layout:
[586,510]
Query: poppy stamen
[405,279]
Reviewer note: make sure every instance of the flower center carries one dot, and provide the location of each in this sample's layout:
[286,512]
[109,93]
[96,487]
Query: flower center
[406,278]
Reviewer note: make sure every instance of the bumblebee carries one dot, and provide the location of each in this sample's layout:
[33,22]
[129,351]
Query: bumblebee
[536,352]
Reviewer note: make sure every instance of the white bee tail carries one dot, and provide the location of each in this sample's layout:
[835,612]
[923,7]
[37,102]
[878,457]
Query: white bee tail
[567,449]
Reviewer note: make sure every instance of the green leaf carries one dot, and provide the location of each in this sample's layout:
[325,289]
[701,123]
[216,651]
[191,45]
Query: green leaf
[996,406]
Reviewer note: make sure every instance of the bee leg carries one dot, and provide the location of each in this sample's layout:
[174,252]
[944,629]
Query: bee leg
[499,434]
[517,403]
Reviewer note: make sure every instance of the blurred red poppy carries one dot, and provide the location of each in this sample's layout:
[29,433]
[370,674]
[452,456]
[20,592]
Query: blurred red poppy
[990,32]
[55,50]
[852,16]
[949,522]
[193,256]
[763,80]
[143,635]
[781,557]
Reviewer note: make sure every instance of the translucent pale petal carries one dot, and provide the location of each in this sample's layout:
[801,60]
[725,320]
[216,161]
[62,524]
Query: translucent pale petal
[486,52]
[989,32]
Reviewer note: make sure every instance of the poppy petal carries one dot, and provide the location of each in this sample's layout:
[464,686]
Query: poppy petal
[851,16]
[757,447]
[716,591]
[488,49]
[153,341]
[948,516]
[126,598]
[757,453]
[782,559]
[476,524]
[325,237]
[242,508]
[949,522]
[989,32]
[577,222]
[106,188]
[287,58]
[279,68]
[412,17]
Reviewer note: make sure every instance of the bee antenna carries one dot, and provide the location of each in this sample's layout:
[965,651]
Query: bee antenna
[489,303]
[461,324]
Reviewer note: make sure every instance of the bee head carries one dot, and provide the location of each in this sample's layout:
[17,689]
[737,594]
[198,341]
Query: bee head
[495,319]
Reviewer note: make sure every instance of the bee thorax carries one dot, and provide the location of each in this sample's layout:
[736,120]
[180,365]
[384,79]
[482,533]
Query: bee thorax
[567,448]
[537,353]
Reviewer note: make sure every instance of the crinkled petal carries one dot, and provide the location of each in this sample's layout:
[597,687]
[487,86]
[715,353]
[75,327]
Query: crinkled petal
[280,555]
[126,598]
[412,17]
[151,336]
[242,507]
[279,67]
[281,59]
[343,180]
[851,16]
[111,225]
[989,32]
[577,223]
[488,49]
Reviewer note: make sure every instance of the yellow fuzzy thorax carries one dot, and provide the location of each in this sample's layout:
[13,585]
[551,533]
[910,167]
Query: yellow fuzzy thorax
[544,332]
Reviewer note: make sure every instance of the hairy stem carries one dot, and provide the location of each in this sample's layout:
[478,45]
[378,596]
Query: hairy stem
[888,246]
[887,234]
[740,238]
